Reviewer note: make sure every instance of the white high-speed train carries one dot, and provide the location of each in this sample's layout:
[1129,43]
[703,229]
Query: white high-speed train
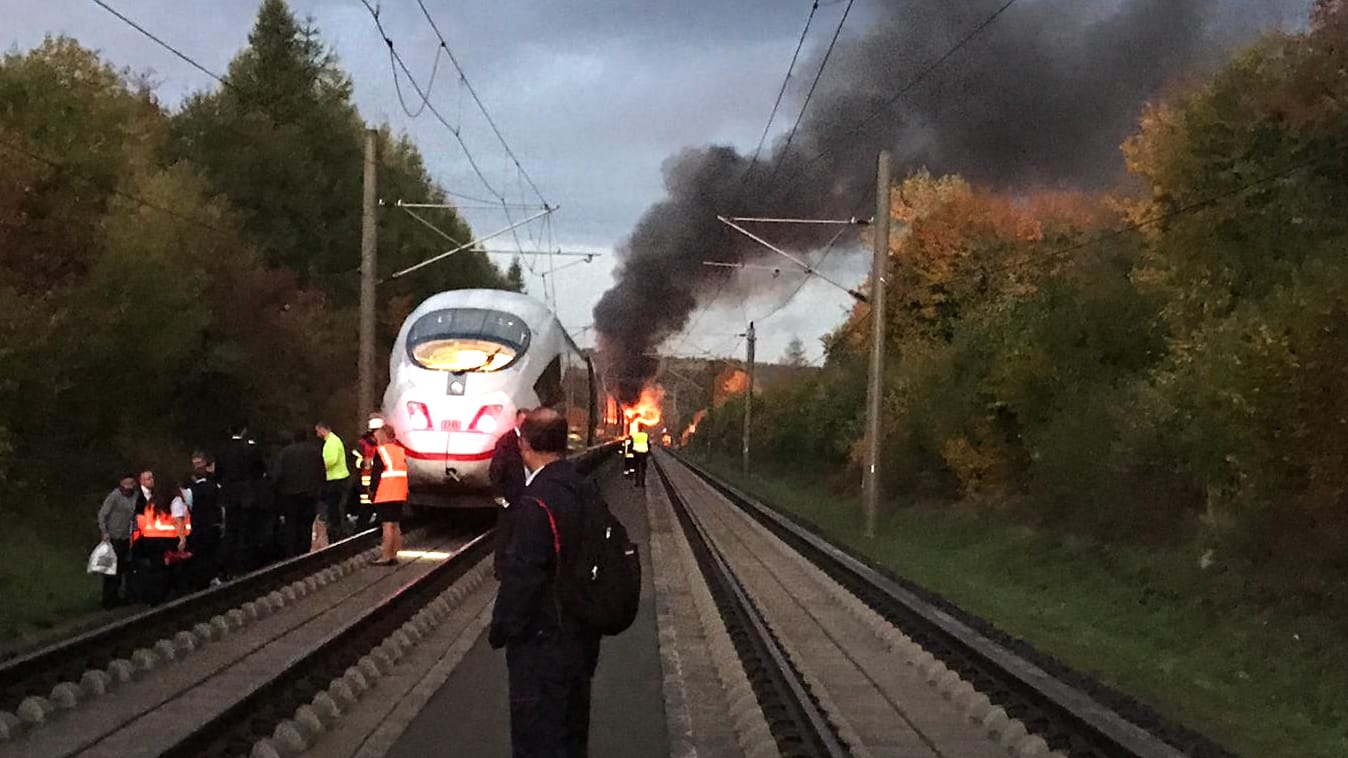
[462,364]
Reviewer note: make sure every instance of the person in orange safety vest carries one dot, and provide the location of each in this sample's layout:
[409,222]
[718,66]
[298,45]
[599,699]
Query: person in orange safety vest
[388,483]
[160,541]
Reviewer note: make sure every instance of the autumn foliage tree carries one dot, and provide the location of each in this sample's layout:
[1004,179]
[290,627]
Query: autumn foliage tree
[1179,378]
[164,274]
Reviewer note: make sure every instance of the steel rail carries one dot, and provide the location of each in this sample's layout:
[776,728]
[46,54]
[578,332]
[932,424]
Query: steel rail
[1069,718]
[37,672]
[795,719]
[234,730]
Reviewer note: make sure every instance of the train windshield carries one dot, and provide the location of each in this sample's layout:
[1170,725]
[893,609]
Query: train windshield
[467,339]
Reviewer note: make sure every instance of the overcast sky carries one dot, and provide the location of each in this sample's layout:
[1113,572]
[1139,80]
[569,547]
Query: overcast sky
[593,95]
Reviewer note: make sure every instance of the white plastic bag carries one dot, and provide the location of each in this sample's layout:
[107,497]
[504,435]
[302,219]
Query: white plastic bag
[103,560]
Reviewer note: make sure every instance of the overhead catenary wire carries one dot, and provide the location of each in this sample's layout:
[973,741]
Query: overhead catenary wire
[395,60]
[720,288]
[823,64]
[801,284]
[454,130]
[907,87]
[791,135]
[931,67]
[159,41]
[468,85]
[522,174]
[430,85]
[786,80]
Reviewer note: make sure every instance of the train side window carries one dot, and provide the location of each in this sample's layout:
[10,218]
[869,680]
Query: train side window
[549,384]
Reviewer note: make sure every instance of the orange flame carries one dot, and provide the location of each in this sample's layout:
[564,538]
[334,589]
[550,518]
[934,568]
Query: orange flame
[692,427]
[646,411]
[730,382]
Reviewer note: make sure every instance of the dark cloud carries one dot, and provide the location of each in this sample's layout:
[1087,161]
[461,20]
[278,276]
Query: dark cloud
[1044,97]
[593,96]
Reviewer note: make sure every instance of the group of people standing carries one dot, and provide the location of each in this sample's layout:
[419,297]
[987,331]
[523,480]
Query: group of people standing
[232,515]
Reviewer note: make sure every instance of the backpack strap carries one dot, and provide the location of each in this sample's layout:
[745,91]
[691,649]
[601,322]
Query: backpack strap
[552,522]
[557,566]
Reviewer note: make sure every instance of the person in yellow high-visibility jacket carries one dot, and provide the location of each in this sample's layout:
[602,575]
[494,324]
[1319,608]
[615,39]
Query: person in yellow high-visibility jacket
[336,483]
[627,456]
[641,450]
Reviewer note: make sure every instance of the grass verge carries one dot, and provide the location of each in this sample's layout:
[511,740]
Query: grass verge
[43,587]
[1260,679]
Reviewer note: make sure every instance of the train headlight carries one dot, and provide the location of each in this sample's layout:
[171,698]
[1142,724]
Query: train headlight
[419,416]
[486,421]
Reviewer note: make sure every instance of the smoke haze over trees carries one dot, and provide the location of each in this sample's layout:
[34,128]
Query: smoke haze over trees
[1178,383]
[1041,99]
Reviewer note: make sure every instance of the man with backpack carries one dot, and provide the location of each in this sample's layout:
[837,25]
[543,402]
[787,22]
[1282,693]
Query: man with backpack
[569,576]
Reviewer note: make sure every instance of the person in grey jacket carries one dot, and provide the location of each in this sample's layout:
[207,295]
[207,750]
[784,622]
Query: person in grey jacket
[116,519]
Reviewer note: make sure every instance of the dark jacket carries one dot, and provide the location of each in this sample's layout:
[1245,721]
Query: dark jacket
[205,503]
[507,481]
[239,460]
[507,467]
[299,470]
[526,602]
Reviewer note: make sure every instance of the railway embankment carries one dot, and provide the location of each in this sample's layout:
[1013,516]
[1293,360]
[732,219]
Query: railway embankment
[1197,646]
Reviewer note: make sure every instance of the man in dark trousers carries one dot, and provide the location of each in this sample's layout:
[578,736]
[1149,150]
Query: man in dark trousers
[116,518]
[366,450]
[240,470]
[507,481]
[298,476]
[337,480]
[550,659]
[203,497]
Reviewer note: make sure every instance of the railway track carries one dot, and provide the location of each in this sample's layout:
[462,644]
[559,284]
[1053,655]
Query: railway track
[218,687]
[259,666]
[817,654]
[33,684]
[888,671]
[797,722]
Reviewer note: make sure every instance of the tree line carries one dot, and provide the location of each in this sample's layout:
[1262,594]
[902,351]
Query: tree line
[1165,364]
[166,271]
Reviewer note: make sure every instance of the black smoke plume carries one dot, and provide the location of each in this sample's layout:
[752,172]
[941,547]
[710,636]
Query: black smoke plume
[1042,98]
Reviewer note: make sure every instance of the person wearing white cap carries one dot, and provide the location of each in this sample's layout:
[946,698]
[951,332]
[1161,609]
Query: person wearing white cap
[388,491]
[367,449]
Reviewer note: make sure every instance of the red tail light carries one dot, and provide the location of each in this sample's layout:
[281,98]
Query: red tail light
[486,421]
[419,416]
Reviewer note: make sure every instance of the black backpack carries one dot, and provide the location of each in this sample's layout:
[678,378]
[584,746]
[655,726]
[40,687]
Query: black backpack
[601,588]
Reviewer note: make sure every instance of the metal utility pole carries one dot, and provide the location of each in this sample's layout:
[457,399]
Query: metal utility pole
[870,478]
[368,258]
[748,395]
